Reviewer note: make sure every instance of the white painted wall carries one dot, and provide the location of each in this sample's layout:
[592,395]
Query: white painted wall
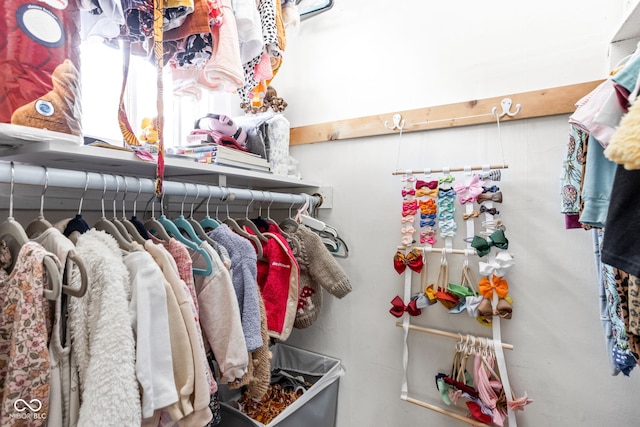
[372,57]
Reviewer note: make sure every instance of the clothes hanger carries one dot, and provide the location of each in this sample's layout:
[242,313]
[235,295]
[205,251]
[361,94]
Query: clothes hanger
[153,226]
[207,222]
[196,225]
[107,226]
[174,232]
[242,232]
[246,222]
[130,226]
[134,219]
[15,237]
[289,223]
[40,224]
[184,225]
[78,223]
[262,223]
[293,243]
[119,225]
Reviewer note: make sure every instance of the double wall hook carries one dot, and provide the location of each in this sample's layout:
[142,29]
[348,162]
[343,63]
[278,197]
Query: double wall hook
[506,107]
[398,123]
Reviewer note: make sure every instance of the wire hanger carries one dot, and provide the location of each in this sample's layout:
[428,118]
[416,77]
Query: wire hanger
[128,225]
[12,233]
[40,224]
[107,226]
[172,230]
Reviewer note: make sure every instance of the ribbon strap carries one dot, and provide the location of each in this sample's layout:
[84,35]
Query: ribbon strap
[158,35]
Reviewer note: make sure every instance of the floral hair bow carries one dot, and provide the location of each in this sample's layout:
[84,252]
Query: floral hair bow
[468,192]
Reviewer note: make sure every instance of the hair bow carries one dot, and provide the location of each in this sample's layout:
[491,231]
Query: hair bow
[413,260]
[409,192]
[408,219]
[427,193]
[399,308]
[491,211]
[407,230]
[487,286]
[447,179]
[410,204]
[429,184]
[483,246]
[428,206]
[427,223]
[427,239]
[408,178]
[494,197]
[450,192]
[472,214]
[408,211]
[494,175]
[499,267]
[468,192]
[491,189]
[428,216]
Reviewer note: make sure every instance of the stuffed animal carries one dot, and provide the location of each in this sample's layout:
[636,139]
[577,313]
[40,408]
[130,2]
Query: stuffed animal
[270,100]
[149,133]
[57,110]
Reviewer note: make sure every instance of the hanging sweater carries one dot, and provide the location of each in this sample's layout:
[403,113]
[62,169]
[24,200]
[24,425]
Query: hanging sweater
[244,279]
[318,269]
[220,317]
[102,338]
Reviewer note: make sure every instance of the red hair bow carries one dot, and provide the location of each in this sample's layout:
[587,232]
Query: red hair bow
[399,308]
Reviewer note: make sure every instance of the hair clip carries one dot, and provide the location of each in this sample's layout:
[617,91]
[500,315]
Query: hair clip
[493,197]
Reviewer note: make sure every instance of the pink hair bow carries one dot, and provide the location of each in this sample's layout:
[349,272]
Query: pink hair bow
[468,192]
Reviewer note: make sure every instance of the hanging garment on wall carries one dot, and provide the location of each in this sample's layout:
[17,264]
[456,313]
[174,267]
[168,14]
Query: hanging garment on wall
[318,270]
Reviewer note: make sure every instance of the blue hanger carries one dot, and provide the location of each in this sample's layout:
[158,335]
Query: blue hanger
[207,221]
[184,225]
[173,231]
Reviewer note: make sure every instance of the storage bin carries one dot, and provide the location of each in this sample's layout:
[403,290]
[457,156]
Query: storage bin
[317,407]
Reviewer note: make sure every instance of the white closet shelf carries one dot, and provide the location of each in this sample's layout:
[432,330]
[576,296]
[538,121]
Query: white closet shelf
[626,37]
[69,155]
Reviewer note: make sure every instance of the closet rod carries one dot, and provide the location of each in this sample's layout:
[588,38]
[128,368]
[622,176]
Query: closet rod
[457,169]
[35,175]
[445,412]
[446,334]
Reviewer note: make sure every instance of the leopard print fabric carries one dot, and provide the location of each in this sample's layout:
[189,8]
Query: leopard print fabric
[623,281]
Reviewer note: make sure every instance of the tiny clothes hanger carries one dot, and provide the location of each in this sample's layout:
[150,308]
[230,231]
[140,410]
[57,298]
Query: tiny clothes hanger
[119,225]
[130,226]
[154,226]
[40,224]
[172,230]
[195,224]
[107,226]
[184,225]
[247,223]
[78,224]
[12,233]
[233,225]
[207,222]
